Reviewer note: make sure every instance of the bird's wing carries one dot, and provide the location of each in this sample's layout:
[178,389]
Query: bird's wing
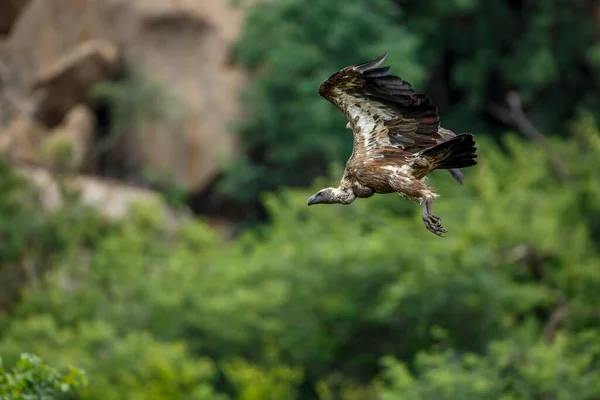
[382,109]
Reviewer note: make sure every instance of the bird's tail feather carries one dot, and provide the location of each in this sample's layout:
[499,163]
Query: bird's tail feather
[458,175]
[458,152]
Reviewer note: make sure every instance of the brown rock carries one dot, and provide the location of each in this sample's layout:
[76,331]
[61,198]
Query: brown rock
[9,12]
[182,45]
[20,142]
[68,147]
[68,81]
[112,198]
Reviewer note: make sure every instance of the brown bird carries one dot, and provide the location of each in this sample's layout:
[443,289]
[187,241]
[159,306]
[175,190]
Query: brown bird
[389,122]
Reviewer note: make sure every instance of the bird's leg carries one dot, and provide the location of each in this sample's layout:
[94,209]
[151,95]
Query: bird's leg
[432,222]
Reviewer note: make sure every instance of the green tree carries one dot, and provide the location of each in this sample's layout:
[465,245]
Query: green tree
[518,368]
[475,51]
[133,365]
[30,240]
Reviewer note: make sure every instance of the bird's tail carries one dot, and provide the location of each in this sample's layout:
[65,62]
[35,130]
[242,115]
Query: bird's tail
[458,175]
[458,152]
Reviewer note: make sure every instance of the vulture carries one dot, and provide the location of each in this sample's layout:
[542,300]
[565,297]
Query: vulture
[397,137]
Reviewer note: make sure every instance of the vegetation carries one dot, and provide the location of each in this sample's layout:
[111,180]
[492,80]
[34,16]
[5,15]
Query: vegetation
[339,302]
[355,302]
[32,379]
[127,106]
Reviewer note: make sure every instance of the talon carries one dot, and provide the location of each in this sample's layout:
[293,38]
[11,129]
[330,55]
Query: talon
[432,222]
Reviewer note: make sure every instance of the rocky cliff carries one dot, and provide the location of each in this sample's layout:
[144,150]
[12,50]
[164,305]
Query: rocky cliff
[54,53]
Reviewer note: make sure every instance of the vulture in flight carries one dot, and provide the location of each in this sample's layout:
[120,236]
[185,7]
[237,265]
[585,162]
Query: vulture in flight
[398,139]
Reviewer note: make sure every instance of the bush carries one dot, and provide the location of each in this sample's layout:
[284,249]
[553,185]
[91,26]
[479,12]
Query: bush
[524,369]
[32,379]
[132,365]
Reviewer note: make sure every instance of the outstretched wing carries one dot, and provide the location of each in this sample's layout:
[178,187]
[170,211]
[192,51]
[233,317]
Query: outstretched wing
[382,109]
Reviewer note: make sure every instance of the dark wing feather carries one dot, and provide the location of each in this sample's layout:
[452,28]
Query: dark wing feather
[373,98]
[383,109]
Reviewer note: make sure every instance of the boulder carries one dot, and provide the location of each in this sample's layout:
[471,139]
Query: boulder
[9,12]
[111,198]
[69,80]
[181,45]
[20,141]
[66,147]
[69,146]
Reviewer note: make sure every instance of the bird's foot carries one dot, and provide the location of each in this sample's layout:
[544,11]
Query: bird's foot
[432,222]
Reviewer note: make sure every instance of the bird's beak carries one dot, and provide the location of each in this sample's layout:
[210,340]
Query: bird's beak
[312,199]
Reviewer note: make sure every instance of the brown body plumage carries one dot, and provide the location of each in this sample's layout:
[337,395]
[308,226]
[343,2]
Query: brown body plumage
[389,122]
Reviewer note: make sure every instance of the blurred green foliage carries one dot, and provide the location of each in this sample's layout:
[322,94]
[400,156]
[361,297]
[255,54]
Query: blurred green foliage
[511,369]
[338,302]
[476,50]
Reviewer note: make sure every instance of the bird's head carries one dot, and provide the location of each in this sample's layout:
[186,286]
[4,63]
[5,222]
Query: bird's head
[332,196]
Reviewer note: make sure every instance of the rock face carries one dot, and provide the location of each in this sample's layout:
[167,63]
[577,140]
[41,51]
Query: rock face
[9,11]
[21,140]
[111,198]
[69,146]
[58,48]
[68,81]
[66,147]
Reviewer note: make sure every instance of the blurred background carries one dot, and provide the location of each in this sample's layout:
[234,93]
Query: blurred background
[155,241]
